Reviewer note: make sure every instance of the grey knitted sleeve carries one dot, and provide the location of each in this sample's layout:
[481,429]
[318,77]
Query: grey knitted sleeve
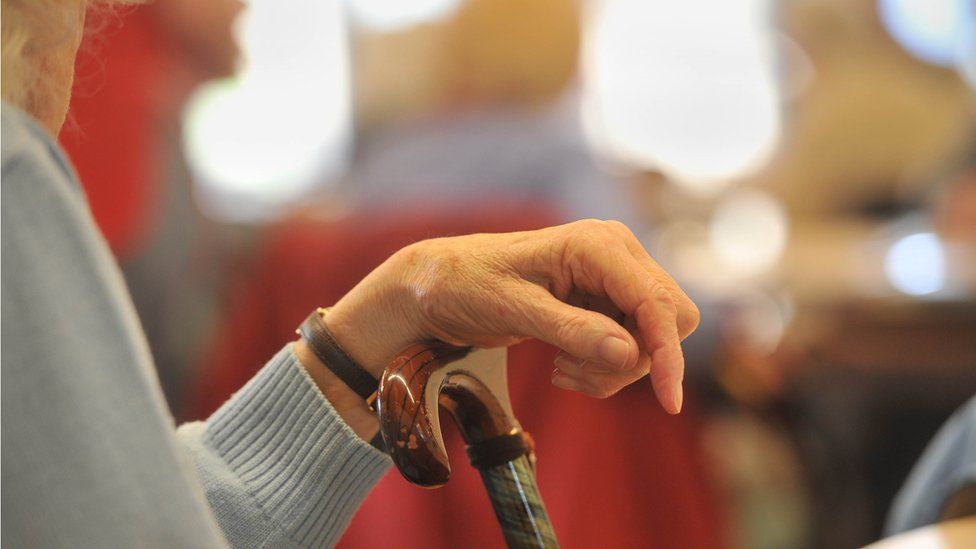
[279,466]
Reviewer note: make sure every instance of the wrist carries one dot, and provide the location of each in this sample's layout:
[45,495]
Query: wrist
[377,318]
[349,405]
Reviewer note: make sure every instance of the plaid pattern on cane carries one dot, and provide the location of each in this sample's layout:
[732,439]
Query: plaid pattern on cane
[518,506]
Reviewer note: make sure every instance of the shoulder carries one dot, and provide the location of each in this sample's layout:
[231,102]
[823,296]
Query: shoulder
[947,465]
[30,156]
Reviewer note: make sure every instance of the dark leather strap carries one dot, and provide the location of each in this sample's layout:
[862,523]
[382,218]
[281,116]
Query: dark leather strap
[325,347]
[377,441]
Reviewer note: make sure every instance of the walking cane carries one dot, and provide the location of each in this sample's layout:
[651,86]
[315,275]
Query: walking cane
[472,385]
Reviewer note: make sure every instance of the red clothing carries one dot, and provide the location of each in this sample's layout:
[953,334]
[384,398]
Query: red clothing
[617,472]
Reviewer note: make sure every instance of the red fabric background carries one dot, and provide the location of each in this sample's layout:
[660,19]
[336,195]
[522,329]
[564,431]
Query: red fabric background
[109,134]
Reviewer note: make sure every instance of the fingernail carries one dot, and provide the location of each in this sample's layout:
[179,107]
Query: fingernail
[677,400]
[615,351]
[562,360]
[563,381]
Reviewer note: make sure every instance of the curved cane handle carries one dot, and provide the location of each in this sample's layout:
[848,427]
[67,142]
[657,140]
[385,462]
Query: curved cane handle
[471,385]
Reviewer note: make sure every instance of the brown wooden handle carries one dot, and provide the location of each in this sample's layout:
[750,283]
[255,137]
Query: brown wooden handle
[425,376]
[408,418]
[474,391]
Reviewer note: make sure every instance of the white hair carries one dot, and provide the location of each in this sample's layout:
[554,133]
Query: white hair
[30,30]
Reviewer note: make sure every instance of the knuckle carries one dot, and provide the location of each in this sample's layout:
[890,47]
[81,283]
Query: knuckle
[437,275]
[690,319]
[426,301]
[588,232]
[661,295]
[589,225]
[607,230]
[619,228]
[581,231]
[570,328]
[579,247]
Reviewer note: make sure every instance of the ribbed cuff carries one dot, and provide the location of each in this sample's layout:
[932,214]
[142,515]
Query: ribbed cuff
[301,463]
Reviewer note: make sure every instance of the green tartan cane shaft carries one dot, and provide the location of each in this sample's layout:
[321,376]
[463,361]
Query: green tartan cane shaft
[518,506]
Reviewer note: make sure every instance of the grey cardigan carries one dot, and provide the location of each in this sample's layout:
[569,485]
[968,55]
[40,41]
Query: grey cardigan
[90,454]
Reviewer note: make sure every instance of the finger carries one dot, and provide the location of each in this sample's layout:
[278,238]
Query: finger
[570,365]
[595,380]
[585,334]
[639,294]
[578,367]
[598,303]
[589,387]
[563,381]
[688,316]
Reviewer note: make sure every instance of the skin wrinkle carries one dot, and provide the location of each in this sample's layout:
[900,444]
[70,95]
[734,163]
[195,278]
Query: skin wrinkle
[469,310]
[572,328]
[658,345]
[555,284]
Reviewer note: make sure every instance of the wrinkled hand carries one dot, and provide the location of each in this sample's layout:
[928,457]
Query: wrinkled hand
[587,287]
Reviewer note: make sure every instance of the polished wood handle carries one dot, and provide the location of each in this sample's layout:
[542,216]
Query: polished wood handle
[407,411]
[472,386]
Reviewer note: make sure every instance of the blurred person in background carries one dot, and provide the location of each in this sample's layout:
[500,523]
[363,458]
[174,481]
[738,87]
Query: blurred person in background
[495,118]
[942,485]
[91,457]
[136,69]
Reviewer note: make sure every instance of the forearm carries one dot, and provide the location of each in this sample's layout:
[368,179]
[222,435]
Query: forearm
[278,463]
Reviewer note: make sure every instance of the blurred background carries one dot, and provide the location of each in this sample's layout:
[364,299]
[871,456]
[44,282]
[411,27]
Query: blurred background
[806,169]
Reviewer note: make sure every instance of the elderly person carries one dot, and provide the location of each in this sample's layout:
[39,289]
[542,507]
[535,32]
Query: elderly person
[90,455]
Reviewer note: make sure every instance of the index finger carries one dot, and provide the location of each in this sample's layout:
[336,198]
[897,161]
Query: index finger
[688,316]
[609,268]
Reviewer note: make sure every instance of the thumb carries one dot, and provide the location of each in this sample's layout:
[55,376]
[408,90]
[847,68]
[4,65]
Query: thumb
[588,335]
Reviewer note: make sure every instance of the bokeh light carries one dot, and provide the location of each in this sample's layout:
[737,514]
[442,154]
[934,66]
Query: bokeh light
[757,319]
[390,15]
[748,232]
[916,264]
[688,88]
[259,141]
[934,31]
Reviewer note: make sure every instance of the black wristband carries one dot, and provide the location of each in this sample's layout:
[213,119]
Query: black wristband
[324,345]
